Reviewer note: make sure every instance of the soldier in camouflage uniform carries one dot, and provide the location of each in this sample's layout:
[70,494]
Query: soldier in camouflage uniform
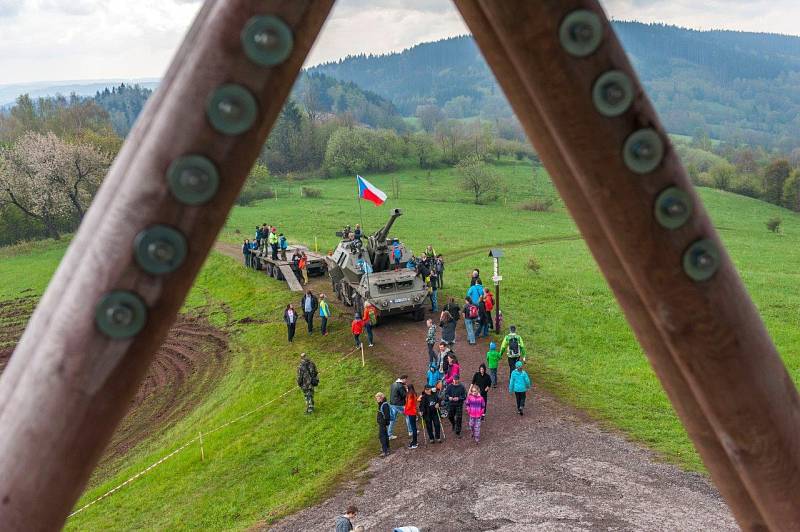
[307,379]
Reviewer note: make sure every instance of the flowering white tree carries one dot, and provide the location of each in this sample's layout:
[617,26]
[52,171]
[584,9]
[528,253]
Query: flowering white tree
[49,179]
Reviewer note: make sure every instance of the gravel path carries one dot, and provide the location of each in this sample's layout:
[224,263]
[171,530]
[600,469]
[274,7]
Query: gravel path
[550,470]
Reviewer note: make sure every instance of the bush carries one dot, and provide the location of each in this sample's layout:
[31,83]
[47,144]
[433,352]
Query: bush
[533,265]
[537,205]
[309,192]
[254,191]
[774,225]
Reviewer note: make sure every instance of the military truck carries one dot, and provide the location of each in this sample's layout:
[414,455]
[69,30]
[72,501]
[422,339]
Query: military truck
[362,273]
[286,270]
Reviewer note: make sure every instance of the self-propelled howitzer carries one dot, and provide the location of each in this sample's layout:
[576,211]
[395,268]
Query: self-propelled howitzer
[371,274]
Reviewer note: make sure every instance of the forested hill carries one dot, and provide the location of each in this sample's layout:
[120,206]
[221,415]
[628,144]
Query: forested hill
[736,86]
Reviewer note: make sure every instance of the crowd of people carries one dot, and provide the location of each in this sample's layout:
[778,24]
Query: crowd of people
[268,241]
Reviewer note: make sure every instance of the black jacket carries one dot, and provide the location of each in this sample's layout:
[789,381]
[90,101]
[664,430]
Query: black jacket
[458,391]
[286,316]
[314,303]
[383,417]
[453,309]
[427,405]
[483,381]
[397,394]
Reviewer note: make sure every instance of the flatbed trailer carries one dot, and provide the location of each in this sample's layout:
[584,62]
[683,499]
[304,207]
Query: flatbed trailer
[286,270]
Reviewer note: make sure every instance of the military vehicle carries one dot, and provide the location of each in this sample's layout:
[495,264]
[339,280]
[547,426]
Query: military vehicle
[365,273]
[287,270]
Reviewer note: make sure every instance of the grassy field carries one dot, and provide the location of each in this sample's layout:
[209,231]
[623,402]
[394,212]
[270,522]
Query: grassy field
[265,465]
[582,350]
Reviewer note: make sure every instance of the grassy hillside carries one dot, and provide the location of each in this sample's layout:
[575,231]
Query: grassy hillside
[264,465]
[277,460]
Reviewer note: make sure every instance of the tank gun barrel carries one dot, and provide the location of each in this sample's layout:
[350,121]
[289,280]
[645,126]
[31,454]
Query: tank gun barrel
[381,234]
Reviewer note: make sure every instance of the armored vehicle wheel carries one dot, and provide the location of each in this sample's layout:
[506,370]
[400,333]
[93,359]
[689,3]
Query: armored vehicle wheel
[279,275]
[269,269]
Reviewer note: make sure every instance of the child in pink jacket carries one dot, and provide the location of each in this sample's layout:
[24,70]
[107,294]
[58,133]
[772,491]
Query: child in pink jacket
[476,407]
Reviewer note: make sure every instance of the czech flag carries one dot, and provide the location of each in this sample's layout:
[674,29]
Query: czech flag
[370,192]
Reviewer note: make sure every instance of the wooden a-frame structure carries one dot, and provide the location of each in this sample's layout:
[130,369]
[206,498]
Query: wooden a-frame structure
[156,216]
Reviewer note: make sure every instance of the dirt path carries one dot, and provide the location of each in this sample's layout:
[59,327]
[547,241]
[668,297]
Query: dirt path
[186,368]
[550,470]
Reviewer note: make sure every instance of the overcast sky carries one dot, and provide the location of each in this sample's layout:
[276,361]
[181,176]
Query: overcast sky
[97,39]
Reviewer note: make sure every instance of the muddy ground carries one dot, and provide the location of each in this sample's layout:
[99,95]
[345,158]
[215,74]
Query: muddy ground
[552,469]
[186,368]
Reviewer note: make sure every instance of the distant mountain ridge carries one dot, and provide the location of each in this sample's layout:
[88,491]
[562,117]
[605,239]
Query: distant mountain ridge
[42,89]
[737,86]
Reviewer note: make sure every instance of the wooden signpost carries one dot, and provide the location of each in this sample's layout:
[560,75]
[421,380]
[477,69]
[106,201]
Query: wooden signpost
[92,337]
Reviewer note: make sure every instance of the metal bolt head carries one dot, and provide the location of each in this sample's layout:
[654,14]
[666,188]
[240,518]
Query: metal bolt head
[267,40]
[701,260]
[643,151]
[193,179]
[581,32]
[232,109]
[673,208]
[160,249]
[612,93]
[120,314]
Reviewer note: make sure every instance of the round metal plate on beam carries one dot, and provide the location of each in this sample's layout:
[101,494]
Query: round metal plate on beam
[232,109]
[643,151]
[160,249]
[581,32]
[673,208]
[612,93]
[267,40]
[701,260]
[193,179]
[120,315]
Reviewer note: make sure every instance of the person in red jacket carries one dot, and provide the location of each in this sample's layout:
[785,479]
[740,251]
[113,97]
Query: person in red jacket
[369,318]
[488,300]
[357,326]
[410,411]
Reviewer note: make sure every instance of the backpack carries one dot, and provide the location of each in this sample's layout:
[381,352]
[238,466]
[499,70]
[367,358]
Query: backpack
[472,313]
[513,345]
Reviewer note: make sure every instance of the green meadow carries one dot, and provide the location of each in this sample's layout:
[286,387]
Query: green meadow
[278,460]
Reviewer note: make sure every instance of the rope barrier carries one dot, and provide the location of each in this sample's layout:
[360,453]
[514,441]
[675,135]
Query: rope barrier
[196,438]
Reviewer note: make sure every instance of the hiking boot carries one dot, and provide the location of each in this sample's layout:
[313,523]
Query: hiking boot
[394,436]
[372,345]
[520,411]
[410,434]
[413,446]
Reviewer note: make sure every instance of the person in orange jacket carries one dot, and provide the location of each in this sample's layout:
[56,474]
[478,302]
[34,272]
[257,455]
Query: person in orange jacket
[370,318]
[357,326]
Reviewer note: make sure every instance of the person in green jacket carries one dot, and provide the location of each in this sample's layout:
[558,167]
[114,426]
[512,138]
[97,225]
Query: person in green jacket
[272,240]
[492,361]
[519,384]
[516,348]
[324,313]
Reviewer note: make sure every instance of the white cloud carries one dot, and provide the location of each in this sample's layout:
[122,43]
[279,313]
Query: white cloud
[97,39]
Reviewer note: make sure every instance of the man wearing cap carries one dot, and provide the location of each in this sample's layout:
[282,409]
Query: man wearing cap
[456,394]
[307,379]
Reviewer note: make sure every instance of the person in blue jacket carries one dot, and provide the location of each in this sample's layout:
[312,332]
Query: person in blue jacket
[519,384]
[475,292]
[433,376]
[283,245]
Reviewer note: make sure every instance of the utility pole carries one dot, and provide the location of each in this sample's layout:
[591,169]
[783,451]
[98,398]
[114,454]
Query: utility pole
[496,253]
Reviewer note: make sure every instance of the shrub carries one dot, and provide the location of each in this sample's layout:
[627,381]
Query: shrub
[309,192]
[478,179]
[533,265]
[774,225]
[537,205]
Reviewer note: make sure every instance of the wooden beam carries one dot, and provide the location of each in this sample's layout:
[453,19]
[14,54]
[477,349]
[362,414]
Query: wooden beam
[68,385]
[582,211]
[710,327]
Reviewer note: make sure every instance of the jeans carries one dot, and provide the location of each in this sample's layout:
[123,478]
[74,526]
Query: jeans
[434,301]
[274,251]
[324,325]
[520,396]
[412,428]
[394,411]
[483,328]
[470,326]
[491,323]
[493,375]
[309,316]
[368,328]
[432,355]
[384,439]
[358,339]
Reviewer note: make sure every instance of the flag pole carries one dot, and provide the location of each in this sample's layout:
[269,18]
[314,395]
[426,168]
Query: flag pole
[358,199]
